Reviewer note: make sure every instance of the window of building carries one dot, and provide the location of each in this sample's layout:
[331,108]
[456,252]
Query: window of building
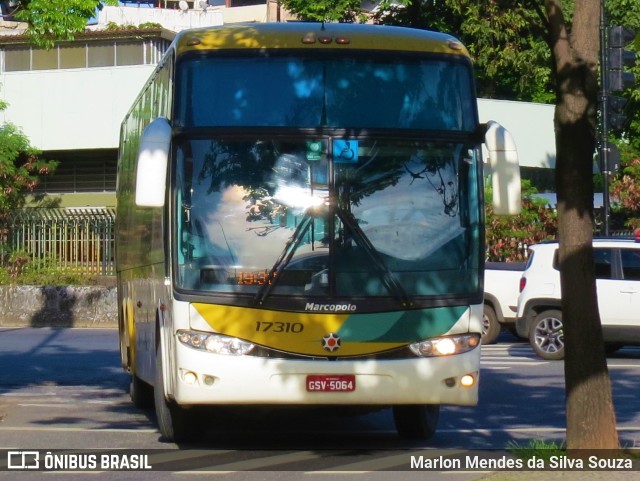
[42,59]
[244,3]
[101,55]
[129,53]
[73,56]
[80,173]
[84,54]
[17,59]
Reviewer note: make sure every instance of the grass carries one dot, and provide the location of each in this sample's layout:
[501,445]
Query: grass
[537,448]
[22,269]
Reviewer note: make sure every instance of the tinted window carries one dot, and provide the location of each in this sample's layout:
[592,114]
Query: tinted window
[630,263]
[346,92]
[602,258]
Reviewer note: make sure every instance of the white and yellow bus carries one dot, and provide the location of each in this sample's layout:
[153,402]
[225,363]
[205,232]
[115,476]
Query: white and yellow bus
[300,222]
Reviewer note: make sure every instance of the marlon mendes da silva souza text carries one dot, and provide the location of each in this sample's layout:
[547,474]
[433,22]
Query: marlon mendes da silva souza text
[505,462]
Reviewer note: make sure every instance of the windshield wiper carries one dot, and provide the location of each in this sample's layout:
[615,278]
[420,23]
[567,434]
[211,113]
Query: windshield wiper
[347,219]
[285,257]
[389,280]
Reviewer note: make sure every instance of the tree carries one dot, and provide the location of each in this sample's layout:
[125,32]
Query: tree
[20,168]
[53,20]
[511,58]
[508,236]
[625,190]
[326,10]
[574,46]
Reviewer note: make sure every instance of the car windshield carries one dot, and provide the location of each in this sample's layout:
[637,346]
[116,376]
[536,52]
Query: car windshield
[327,217]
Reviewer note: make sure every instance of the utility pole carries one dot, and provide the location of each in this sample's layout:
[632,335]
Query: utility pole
[614,79]
[604,118]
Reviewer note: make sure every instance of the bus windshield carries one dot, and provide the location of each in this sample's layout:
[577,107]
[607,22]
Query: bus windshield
[359,92]
[372,216]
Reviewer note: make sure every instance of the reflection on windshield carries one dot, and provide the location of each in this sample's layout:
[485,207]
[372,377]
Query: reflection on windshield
[327,217]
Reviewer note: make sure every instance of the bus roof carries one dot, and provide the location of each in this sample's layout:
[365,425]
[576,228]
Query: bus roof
[299,35]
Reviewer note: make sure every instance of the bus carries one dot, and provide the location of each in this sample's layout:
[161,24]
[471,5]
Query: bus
[300,223]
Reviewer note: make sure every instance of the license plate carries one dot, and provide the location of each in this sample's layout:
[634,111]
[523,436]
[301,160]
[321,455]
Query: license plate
[331,383]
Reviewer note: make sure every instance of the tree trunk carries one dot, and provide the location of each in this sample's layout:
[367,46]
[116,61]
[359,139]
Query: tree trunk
[591,419]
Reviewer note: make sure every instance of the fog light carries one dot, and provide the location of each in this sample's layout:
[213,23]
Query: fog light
[209,380]
[450,381]
[190,377]
[467,380]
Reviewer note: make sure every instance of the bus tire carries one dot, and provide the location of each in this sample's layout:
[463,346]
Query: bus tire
[417,422]
[172,420]
[141,393]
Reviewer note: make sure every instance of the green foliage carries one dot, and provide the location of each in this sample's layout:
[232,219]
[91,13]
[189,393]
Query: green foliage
[20,168]
[625,192]
[627,14]
[536,448]
[112,26]
[508,47]
[326,10]
[430,15]
[150,25]
[506,236]
[22,269]
[53,20]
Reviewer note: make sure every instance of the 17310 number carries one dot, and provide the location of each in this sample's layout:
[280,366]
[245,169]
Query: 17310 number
[265,326]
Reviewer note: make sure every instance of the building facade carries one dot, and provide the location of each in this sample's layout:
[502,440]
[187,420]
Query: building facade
[70,100]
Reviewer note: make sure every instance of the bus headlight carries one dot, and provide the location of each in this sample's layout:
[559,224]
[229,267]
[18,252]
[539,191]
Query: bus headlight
[446,346]
[215,343]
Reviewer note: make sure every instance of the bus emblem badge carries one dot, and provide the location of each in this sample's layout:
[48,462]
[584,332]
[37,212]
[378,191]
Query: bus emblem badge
[331,342]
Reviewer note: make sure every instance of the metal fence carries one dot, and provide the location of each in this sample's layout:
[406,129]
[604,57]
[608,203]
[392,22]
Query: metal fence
[81,239]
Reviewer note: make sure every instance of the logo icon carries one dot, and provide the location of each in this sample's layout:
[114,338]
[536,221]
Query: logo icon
[331,342]
[23,460]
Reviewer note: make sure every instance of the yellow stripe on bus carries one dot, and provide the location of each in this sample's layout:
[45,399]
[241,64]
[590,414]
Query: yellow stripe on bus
[295,332]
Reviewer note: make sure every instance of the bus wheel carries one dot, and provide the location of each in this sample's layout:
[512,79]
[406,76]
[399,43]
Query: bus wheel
[173,420]
[140,392]
[416,421]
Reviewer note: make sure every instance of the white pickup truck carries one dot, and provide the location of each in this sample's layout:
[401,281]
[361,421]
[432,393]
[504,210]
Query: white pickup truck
[501,289]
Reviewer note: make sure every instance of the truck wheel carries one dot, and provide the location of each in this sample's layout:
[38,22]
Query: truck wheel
[490,325]
[547,335]
[418,421]
[173,420]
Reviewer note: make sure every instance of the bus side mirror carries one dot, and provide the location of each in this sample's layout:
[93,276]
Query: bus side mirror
[505,170]
[153,156]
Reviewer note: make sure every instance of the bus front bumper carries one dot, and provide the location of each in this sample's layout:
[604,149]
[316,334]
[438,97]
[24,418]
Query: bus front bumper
[204,378]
